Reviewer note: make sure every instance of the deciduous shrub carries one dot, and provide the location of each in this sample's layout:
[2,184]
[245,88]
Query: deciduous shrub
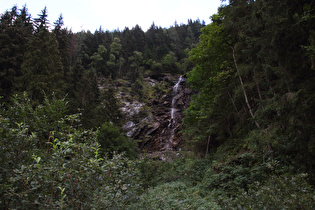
[112,140]
[173,195]
[64,171]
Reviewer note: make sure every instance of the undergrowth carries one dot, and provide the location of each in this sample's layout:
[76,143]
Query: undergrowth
[49,161]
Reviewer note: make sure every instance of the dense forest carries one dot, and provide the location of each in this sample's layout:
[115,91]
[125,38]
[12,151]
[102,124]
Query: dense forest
[249,129]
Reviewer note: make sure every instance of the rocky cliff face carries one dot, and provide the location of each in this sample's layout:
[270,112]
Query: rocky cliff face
[155,125]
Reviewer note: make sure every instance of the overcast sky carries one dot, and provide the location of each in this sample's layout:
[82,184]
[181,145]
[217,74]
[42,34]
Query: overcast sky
[117,14]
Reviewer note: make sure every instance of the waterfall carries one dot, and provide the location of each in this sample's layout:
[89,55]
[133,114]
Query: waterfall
[175,92]
[172,121]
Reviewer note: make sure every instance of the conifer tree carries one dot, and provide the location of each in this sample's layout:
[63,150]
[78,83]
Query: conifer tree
[63,39]
[15,31]
[42,69]
[42,21]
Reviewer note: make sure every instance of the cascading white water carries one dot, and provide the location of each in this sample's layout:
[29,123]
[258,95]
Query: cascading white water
[172,122]
[175,92]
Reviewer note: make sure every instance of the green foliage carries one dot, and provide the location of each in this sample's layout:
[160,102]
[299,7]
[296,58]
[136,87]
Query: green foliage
[169,62]
[251,103]
[209,111]
[238,182]
[15,31]
[252,116]
[137,88]
[114,58]
[136,69]
[73,176]
[284,192]
[156,68]
[99,61]
[41,61]
[174,195]
[42,21]
[108,110]
[47,76]
[61,170]
[253,75]
[235,174]
[39,120]
[112,140]
[69,171]
[182,168]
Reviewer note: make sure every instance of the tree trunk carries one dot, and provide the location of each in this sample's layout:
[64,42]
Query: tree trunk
[274,94]
[208,144]
[257,85]
[244,91]
[238,114]
[247,103]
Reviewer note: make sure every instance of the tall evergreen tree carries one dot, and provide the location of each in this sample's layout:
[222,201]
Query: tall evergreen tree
[63,39]
[42,21]
[42,69]
[15,31]
[138,38]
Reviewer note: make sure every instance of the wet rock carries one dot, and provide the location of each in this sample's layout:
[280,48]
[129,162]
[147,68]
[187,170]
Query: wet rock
[131,108]
[157,130]
[153,129]
[152,82]
[130,127]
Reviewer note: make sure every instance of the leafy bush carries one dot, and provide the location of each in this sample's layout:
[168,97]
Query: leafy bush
[72,177]
[279,192]
[112,140]
[234,175]
[181,168]
[63,171]
[25,129]
[174,195]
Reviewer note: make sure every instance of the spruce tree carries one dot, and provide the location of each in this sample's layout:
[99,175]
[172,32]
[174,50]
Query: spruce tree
[42,21]
[16,28]
[63,39]
[42,69]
